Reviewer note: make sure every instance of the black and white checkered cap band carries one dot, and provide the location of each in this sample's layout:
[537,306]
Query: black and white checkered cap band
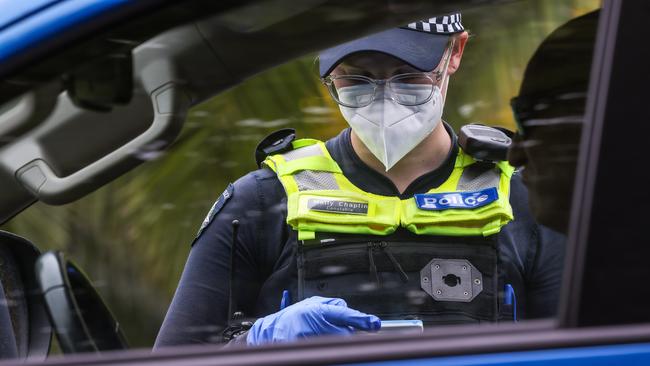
[445,24]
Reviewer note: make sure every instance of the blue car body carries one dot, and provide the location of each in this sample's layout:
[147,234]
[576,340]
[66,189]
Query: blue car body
[29,24]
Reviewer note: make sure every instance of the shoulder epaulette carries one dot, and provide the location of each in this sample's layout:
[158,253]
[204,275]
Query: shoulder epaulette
[275,143]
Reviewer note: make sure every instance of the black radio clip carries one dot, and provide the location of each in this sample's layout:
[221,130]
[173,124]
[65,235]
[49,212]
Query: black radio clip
[485,143]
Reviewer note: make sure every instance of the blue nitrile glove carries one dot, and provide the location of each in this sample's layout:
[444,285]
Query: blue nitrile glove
[310,317]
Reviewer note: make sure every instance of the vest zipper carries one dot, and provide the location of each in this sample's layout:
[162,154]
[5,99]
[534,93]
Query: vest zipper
[396,265]
[374,275]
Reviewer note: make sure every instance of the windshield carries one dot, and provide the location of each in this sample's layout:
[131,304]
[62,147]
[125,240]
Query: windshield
[133,237]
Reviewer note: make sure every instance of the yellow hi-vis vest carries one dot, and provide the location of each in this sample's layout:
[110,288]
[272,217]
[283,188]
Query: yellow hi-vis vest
[321,199]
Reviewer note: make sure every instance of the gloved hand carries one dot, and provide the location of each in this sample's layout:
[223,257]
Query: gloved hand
[313,316]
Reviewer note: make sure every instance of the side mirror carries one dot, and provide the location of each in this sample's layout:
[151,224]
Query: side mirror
[25,331]
[81,320]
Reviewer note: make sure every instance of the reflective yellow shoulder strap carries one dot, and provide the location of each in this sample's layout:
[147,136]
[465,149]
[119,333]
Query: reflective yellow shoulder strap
[467,176]
[321,199]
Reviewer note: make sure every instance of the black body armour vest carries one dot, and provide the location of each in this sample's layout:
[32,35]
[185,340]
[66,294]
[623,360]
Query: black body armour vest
[439,280]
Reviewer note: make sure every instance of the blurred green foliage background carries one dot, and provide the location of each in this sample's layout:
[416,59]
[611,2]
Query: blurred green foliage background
[132,236]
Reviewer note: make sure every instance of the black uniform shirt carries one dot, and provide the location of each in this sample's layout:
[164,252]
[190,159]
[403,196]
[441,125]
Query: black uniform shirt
[530,256]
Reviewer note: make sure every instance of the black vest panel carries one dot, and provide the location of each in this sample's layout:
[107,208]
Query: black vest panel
[406,278]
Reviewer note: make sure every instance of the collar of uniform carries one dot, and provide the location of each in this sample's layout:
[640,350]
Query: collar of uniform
[369,180]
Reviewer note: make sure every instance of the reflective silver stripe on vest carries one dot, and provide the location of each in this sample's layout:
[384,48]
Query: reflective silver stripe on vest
[478,176]
[303,152]
[309,180]
[474,177]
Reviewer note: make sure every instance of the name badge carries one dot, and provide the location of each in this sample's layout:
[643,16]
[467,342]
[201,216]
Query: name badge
[338,206]
[458,200]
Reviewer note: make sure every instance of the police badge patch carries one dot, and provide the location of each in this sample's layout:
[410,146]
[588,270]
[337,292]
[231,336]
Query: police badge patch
[216,207]
[457,200]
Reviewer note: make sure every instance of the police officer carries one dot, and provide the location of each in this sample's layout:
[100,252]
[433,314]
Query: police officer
[390,219]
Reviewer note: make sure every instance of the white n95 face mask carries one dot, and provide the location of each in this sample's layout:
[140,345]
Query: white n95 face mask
[389,129]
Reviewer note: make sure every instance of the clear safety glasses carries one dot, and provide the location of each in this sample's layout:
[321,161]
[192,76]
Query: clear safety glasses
[410,89]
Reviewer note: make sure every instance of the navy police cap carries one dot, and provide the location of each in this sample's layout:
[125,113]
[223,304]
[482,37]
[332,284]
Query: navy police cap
[420,44]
